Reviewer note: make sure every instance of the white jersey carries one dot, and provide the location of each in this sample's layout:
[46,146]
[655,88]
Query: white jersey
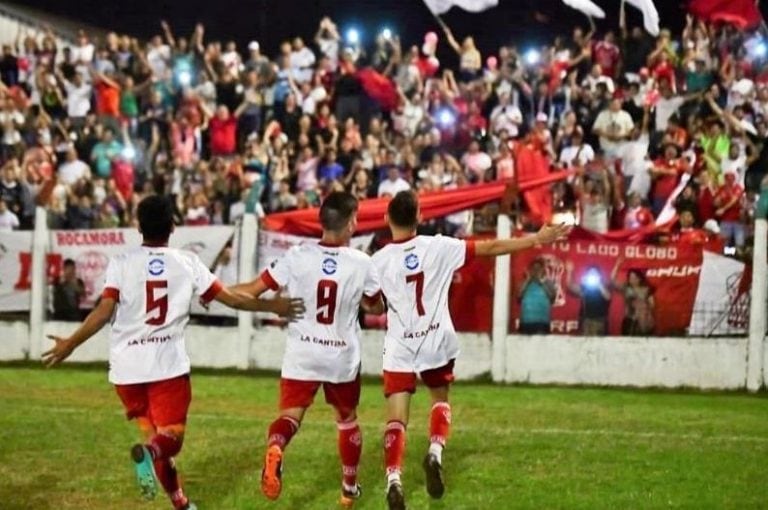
[324,345]
[154,288]
[416,275]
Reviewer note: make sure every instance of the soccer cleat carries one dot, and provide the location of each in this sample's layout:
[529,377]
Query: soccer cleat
[145,471]
[190,506]
[395,497]
[348,498]
[434,473]
[272,474]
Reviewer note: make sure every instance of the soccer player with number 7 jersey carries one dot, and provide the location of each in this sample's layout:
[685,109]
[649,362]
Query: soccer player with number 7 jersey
[147,296]
[416,274]
[323,348]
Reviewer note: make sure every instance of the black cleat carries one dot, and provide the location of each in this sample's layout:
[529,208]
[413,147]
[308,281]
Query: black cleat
[434,474]
[395,497]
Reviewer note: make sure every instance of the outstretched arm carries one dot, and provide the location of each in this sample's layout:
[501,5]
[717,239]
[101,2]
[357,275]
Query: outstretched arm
[246,296]
[96,320]
[548,234]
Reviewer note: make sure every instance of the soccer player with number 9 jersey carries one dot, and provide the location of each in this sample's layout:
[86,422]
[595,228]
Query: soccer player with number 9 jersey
[416,274]
[323,347]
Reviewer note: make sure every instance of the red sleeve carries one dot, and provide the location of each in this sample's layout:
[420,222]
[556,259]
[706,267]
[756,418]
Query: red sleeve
[372,300]
[110,293]
[470,253]
[269,281]
[212,291]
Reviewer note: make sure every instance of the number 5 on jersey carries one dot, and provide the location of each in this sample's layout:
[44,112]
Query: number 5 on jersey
[156,303]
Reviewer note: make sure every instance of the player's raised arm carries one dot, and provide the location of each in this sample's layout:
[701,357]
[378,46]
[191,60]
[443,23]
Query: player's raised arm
[96,320]
[548,234]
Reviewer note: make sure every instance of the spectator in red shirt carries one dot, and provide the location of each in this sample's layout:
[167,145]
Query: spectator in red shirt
[686,231]
[728,200]
[107,95]
[665,173]
[222,129]
[122,173]
[607,55]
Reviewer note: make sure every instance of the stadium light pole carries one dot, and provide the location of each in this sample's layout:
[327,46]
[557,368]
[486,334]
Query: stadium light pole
[758,307]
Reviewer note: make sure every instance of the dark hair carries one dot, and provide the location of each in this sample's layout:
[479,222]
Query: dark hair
[155,218]
[403,210]
[69,262]
[336,211]
[640,274]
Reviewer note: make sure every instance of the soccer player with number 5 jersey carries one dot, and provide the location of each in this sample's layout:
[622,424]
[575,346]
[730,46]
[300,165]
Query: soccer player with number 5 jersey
[147,297]
[323,347]
[416,274]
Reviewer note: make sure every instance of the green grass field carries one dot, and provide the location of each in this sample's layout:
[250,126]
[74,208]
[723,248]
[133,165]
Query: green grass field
[64,445]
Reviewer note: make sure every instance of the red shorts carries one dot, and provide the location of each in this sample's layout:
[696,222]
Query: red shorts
[405,382]
[343,396]
[163,403]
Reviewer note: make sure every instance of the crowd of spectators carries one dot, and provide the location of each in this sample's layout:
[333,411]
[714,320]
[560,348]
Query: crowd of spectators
[90,129]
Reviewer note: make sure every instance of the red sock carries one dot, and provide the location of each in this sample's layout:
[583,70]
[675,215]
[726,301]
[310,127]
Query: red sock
[281,431]
[440,423]
[350,448]
[165,469]
[164,446]
[394,446]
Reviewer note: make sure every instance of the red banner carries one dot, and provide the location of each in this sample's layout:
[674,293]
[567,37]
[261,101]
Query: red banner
[741,13]
[672,271]
[370,215]
[471,296]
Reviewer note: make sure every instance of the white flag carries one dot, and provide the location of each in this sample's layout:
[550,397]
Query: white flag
[650,15]
[588,7]
[442,6]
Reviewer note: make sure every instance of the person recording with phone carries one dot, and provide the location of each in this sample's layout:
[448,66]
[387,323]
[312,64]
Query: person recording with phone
[593,289]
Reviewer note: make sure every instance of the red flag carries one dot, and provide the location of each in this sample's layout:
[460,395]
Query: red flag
[531,164]
[741,13]
[379,87]
[370,213]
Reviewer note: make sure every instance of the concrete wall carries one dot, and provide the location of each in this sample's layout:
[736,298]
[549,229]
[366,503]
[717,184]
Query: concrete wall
[705,363]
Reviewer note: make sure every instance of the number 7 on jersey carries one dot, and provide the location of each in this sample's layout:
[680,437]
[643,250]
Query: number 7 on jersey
[418,279]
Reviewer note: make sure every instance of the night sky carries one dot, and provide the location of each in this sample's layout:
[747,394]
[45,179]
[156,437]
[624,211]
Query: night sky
[270,21]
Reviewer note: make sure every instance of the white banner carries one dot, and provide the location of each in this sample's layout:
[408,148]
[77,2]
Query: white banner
[273,245]
[719,307]
[91,249]
[442,6]
[15,271]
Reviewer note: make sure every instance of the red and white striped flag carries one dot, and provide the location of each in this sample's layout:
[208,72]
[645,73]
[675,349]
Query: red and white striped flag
[442,6]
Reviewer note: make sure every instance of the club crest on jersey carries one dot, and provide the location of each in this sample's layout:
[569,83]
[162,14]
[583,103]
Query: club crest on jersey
[156,267]
[329,266]
[412,261]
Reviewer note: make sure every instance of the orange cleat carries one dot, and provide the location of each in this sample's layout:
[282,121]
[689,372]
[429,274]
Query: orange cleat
[272,474]
[348,498]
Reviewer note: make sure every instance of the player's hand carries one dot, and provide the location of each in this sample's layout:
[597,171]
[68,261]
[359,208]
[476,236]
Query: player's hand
[551,233]
[58,352]
[290,308]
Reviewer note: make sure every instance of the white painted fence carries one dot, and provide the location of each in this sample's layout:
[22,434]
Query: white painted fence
[707,363]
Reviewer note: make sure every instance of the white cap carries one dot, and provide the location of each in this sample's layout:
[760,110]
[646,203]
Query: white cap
[253,46]
[712,226]
[541,117]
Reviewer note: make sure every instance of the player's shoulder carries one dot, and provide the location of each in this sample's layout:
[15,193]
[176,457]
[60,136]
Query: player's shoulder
[355,254]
